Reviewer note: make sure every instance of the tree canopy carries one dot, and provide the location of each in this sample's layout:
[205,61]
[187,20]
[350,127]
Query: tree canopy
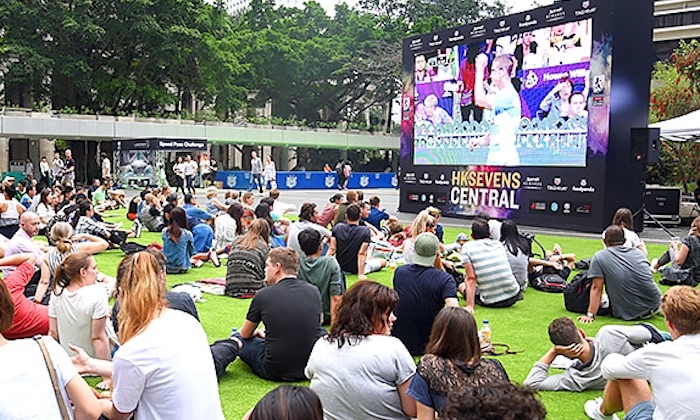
[149,57]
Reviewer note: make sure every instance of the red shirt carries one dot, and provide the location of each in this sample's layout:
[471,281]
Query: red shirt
[30,318]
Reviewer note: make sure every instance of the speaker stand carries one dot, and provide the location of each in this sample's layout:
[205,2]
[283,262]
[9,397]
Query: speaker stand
[656,221]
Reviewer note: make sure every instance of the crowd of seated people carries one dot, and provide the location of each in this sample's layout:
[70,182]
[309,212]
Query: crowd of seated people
[295,273]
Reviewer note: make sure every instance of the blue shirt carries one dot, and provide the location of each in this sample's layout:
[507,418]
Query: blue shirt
[178,254]
[376,216]
[203,237]
[196,212]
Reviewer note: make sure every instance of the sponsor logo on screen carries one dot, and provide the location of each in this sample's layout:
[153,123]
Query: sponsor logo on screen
[436,41]
[426,179]
[557,186]
[556,14]
[586,9]
[502,27]
[529,21]
[538,206]
[566,208]
[478,31]
[583,187]
[554,206]
[533,183]
[583,208]
[456,36]
[442,180]
[410,178]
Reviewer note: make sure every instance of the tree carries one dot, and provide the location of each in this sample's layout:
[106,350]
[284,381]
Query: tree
[676,92]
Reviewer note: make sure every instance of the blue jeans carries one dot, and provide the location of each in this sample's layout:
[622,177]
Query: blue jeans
[255,178]
[253,354]
[641,411]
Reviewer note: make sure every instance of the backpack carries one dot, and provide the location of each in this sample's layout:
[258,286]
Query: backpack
[550,283]
[577,294]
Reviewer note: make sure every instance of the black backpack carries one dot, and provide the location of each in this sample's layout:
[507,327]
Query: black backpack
[577,294]
[550,283]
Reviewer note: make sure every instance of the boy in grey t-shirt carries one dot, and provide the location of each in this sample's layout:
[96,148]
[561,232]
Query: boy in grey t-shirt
[588,354]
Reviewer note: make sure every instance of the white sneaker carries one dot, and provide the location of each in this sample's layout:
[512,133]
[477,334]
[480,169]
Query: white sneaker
[137,227]
[592,410]
[654,265]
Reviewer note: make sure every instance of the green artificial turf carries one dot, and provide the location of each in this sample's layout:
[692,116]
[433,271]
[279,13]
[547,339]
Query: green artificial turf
[523,327]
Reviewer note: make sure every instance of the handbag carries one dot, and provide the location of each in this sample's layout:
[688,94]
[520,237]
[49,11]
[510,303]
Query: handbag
[54,379]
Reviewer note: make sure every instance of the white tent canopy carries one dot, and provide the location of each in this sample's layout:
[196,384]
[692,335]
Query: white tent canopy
[683,128]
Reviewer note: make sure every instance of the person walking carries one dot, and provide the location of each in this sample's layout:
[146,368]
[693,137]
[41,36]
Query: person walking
[256,170]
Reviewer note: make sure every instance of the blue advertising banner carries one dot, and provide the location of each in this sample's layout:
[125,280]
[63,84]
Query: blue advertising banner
[240,180]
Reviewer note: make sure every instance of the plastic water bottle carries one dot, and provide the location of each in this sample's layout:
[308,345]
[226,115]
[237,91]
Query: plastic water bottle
[485,332]
[392,262]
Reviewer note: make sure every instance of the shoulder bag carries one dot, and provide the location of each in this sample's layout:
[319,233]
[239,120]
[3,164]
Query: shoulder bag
[54,379]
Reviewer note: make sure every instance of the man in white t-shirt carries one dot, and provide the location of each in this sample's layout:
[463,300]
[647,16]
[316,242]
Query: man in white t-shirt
[671,368]
[106,166]
[307,220]
[190,172]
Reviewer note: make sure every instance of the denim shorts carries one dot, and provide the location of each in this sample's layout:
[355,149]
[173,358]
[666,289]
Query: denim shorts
[641,411]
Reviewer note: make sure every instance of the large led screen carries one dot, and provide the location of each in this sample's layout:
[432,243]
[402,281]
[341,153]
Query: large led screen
[516,100]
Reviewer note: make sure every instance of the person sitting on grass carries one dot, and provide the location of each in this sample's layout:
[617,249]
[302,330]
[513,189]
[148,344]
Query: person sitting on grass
[555,262]
[62,235]
[164,366]
[213,205]
[178,245]
[321,271]
[151,215]
[83,222]
[376,214]
[685,255]
[245,267]
[495,402]
[587,354]
[423,291]
[25,384]
[452,362]
[486,266]
[78,308]
[287,402]
[308,217]
[627,278]
[671,369]
[359,370]
[350,242]
[291,311]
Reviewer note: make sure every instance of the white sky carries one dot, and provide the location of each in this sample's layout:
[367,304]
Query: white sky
[515,5]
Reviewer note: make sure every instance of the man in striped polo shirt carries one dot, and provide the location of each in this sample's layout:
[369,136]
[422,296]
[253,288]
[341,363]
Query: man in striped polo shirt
[486,266]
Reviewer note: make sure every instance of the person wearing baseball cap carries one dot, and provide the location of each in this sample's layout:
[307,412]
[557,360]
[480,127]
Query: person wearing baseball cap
[423,291]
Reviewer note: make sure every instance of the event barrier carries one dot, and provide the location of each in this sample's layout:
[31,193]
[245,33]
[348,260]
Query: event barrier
[240,180]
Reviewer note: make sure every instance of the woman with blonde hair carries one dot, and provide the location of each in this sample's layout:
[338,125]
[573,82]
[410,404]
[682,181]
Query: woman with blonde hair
[66,244]
[423,222]
[270,173]
[213,205]
[245,268]
[78,307]
[26,378]
[164,366]
[452,362]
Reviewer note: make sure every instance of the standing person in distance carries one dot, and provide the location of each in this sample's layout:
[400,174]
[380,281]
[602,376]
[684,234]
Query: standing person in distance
[270,173]
[69,170]
[44,172]
[57,166]
[106,166]
[179,171]
[256,171]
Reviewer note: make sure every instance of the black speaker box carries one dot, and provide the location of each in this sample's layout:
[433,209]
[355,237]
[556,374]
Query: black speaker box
[645,144]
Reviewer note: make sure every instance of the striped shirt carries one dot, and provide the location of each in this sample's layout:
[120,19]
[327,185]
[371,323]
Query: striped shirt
[493,274]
